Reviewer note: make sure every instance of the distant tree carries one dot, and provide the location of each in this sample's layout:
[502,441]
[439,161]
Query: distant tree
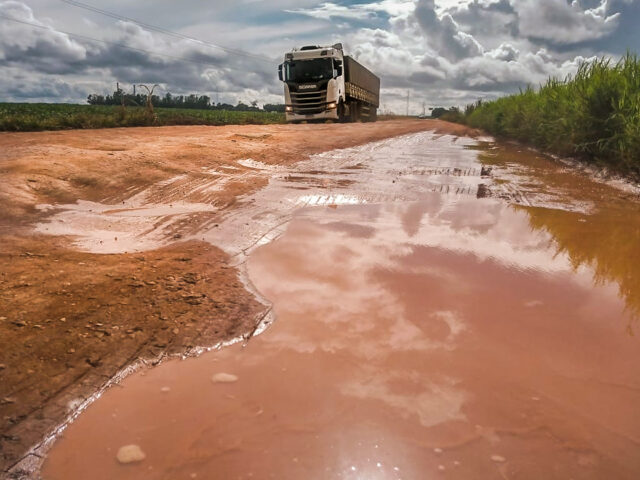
[453,115]
[150,99]
[438,112]
[192,101]
[94,99]
[273,107]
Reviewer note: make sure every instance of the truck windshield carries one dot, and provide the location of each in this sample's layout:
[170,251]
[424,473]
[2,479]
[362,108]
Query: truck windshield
[301,71]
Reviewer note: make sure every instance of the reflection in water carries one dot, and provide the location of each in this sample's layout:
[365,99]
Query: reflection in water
[594,224]
[445,337]
[608,241]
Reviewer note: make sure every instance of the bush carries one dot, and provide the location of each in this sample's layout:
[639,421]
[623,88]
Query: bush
[47,116]
[594,114]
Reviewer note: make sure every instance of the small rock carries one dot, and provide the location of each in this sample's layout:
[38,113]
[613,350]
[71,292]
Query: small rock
[176,331]
[437,450]
[498,459]
[2,366]
[224,378]
[93,361]
[190,278]
[2,319]
[441,468]
[130,454]
[63,319]
[165,389]
[20,323]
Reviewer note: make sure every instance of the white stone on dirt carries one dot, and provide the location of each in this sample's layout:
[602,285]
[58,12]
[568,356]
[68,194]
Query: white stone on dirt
[498,459]
[224,378]
[437,450]
[165,389]
[130,454]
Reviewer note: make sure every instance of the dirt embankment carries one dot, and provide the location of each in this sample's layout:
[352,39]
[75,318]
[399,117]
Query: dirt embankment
[70,320]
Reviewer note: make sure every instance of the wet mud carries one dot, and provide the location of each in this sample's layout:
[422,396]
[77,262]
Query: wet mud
[77,310]
[457,309]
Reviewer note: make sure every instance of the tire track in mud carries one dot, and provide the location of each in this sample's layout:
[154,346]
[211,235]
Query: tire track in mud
[190,205]
[40,176]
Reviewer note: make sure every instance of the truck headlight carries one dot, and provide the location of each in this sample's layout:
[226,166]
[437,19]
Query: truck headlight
[288,108]
[331,105]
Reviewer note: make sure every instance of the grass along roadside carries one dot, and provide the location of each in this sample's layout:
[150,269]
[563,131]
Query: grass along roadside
[17,117]
[593,115]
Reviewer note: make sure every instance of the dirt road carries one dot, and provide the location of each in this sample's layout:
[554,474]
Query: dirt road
[72,317]
[446,306]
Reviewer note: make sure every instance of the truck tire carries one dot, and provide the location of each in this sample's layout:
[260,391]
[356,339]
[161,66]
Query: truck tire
[342,115]
[354,109]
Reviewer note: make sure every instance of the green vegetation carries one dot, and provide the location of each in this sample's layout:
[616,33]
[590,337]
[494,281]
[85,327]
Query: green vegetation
[193,101]
[53,116]
[594,114]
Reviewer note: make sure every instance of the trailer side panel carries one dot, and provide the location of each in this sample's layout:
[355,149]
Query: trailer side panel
[361,83]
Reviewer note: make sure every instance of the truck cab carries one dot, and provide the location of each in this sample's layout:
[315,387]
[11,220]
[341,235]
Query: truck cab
[317,87]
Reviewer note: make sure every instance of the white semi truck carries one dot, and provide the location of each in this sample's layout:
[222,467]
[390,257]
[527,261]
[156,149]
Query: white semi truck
[322,83]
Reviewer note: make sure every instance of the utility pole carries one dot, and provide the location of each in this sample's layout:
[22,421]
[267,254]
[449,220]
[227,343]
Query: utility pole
[408,94]
[424,108]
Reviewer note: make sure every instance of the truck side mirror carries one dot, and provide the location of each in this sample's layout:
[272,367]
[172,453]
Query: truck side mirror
[338,68]
[280,72]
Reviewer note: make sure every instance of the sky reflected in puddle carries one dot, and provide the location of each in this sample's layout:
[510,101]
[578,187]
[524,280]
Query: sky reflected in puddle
[450,337]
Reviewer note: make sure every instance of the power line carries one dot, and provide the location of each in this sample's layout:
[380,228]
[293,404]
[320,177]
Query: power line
[165,31]
[106,42]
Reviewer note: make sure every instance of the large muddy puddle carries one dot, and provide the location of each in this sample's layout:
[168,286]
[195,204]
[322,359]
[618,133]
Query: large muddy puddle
[442,322]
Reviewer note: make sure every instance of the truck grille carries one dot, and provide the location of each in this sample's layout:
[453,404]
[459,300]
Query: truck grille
[309,102]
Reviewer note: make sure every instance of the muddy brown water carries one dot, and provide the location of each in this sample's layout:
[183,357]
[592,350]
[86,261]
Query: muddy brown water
[436,321]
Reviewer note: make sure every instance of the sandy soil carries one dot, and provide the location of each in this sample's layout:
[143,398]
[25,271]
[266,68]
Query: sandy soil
[71,320]
[445,307]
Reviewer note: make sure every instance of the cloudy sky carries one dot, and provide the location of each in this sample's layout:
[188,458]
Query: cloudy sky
[443,52]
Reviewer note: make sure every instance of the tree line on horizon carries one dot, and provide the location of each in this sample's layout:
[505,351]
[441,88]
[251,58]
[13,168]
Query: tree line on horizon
[193,101]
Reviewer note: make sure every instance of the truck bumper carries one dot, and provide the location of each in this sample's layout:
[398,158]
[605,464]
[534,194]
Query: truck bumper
[331,114]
